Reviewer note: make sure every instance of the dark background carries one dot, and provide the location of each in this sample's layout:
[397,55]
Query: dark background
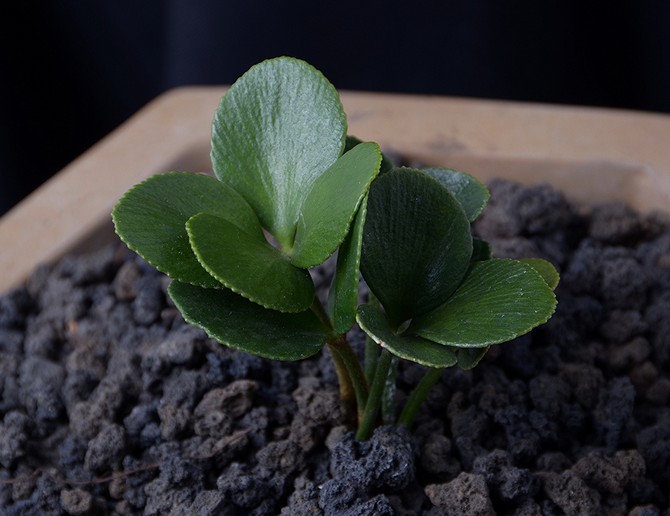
[71,71]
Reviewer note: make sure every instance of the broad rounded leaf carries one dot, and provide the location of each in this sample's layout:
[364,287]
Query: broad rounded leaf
[276,130]
[151,218]
[545,269]
[241,324]
[416,243]
[409,347]
[481,250]
[331,204]
[499,300]
[247,264]
[472,194]
[387,163]
[343,293]
[468,358]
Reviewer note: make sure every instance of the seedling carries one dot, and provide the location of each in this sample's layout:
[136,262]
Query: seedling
[291,189]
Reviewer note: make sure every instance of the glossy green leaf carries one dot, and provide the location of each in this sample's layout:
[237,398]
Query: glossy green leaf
[332,203]
[416,243]
[472,194]
[481,250]
[151,219]
[374,323]
[247,264]
[387,163]
[545,269]
[468,358]
[343,293]
[498,301]
[241,324]
[279,127]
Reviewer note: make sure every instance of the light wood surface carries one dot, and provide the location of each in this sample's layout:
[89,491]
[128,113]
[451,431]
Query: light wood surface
[593,155]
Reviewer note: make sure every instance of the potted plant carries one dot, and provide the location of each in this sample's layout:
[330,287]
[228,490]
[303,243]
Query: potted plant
[285,168]
[154,417]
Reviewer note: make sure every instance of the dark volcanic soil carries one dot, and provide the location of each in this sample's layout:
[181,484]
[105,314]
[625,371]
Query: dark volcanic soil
[111,404]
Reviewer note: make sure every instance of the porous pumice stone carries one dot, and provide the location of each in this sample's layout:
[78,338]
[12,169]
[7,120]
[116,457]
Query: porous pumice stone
[111,404]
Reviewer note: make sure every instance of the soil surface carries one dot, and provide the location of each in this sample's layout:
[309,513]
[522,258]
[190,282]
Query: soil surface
[111,404]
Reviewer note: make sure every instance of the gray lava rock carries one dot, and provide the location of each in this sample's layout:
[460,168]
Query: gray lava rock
[208,503]
[386,461]
[40,382]
[510,483]
[106,450]
[466,494]
[244,489]
[654,445]
[304,501]
[610,474]
[76,501]
[581,403]
[13,438]
[234,400]
[614,411]
[571,494]
[614,223]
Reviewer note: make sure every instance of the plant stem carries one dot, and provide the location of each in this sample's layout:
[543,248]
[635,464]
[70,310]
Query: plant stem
[318,310]
[371,355]
[366,424]
[347,394]
[371,347]
[419,394]
[341,349]
[388,397]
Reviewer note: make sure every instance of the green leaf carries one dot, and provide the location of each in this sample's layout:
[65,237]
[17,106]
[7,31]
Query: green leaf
[247,264]
[387,163]
[332,203]
[374,323]
[343,293]
[472,194]
[243,325]
[279,127]
[544,269]
[499,300]
[468,358]
[416,243]
[481,250]
[151,218]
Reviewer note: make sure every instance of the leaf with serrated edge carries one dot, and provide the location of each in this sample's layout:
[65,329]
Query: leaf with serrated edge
[387,163]
[499,300]
[332,203]
[343,293]
[472,194]
[409,347]
[246,326]
[545,269]
[151,218]
[247,264]
[279,127]
[416,243]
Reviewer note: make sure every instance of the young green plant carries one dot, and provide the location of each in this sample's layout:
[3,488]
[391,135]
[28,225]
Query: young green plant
[290,190]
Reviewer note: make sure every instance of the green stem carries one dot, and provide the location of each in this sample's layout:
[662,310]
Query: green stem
[371,355]
[367,422]
[318,310]
[345,356]
[419,394]
[388,397]
[371,347]
[347,393]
